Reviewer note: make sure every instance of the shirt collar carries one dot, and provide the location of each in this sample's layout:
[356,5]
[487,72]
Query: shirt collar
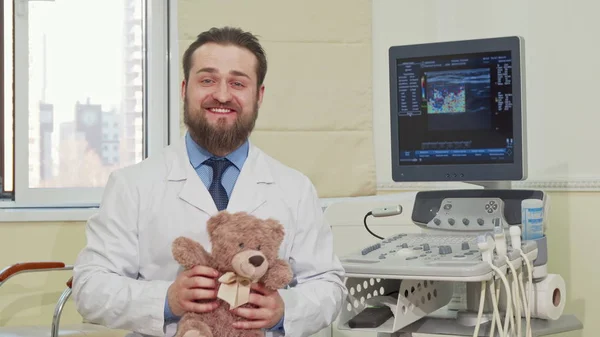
[198,155]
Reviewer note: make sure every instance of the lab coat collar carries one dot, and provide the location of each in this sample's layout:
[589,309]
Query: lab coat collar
[247,195]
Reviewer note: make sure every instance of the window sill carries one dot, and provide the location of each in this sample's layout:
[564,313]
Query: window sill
[12,213]
[45,214]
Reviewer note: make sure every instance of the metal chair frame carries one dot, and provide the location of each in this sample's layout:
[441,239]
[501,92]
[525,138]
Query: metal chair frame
[31,267]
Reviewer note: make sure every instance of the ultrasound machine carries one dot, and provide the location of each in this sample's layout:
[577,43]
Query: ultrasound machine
[457,112]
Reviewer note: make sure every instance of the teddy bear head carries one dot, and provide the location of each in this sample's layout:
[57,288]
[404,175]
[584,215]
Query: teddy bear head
[243,243]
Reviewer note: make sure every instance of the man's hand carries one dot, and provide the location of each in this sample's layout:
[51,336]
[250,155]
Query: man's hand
[190,286]
[269,312]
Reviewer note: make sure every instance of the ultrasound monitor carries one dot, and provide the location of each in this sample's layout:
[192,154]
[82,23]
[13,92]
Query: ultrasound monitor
[458,111]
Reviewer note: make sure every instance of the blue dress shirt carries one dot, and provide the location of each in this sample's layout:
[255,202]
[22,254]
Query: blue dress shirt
[198,156]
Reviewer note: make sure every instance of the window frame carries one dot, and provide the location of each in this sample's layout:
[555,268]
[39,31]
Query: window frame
[160,113]
[2,112]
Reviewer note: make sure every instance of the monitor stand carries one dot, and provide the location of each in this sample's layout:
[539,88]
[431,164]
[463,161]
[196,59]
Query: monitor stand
[492,185]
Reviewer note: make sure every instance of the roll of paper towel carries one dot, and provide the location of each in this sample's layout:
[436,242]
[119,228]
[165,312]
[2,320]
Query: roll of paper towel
[548,297]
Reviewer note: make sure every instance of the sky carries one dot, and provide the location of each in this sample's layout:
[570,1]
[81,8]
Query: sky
[84,40]
[83,50]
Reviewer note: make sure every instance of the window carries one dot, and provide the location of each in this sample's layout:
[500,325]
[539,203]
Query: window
[6,116]
[88,76]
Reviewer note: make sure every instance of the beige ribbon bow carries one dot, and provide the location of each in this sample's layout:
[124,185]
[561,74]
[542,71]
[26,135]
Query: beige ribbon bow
[234,289]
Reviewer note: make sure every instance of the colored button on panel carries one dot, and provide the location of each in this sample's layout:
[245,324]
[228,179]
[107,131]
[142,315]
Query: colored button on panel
[371,248]
[447,249]
[443,250]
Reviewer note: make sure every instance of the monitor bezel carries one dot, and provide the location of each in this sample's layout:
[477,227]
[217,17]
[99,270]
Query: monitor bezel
[463,172]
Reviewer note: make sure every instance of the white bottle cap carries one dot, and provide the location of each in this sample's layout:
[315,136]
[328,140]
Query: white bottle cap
[532,203]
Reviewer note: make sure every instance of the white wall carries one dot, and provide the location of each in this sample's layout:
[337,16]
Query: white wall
[316,113]
[561,47]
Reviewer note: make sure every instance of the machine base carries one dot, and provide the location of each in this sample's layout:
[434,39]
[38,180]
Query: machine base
[448,327]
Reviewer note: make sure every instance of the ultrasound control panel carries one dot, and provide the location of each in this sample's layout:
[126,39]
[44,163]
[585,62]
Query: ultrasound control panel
[448,246]
[470,210]
[425,255]
[468,214]
[420,255]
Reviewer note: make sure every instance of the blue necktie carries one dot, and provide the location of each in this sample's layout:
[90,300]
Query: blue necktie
[216,189]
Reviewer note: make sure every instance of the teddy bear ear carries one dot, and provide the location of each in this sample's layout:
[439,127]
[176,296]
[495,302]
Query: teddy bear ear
[216,220]
[277,229]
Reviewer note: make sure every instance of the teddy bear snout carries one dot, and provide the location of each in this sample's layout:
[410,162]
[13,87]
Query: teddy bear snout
[256,260]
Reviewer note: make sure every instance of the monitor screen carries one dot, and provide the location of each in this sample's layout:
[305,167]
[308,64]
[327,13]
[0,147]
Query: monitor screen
[455,109]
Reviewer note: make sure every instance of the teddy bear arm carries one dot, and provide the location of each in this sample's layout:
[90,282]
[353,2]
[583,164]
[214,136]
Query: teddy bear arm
[278,275]
[190,253]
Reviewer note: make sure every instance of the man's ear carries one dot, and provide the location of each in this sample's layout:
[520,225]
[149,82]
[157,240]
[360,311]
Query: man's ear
[217,220]
[260,94]
[183,89]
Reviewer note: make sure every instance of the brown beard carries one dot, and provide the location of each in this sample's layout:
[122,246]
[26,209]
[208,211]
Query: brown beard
[219,140]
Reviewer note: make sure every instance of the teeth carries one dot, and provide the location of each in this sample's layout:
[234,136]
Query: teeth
[217,110]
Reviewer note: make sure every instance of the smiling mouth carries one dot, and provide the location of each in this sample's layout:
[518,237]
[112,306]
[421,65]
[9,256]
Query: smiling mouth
[220,110]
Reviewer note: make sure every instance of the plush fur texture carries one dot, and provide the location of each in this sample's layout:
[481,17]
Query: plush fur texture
[243,244]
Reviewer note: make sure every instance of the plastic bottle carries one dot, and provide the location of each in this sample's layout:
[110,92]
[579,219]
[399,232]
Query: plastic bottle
[532,219]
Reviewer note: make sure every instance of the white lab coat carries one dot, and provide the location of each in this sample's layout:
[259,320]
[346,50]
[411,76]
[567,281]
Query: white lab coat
[122,274]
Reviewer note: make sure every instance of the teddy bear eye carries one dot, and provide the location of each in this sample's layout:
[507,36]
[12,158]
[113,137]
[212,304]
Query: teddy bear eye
[241,245]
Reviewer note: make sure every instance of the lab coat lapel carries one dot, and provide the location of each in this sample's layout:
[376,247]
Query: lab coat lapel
[250,190]
[193,190]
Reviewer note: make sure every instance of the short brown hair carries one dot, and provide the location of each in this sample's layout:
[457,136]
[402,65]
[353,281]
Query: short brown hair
[228,36]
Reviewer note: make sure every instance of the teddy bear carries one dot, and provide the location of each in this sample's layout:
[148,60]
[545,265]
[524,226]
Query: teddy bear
[244,250]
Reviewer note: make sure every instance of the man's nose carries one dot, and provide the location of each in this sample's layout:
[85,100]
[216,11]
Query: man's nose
[256,260]
[222,93]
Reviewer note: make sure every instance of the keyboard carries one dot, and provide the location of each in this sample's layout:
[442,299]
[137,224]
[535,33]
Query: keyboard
[421,255]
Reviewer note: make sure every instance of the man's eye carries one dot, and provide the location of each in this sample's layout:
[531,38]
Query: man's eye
[241,245]
[258,248]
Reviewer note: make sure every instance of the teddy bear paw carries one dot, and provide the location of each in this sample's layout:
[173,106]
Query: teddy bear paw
[194,329]
[193,333]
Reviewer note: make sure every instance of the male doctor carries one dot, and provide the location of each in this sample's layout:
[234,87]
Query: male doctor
[126,277]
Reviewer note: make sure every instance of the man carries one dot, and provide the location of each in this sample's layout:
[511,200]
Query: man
[126,277]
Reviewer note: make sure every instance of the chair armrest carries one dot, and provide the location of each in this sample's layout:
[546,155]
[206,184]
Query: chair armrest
[30,267]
